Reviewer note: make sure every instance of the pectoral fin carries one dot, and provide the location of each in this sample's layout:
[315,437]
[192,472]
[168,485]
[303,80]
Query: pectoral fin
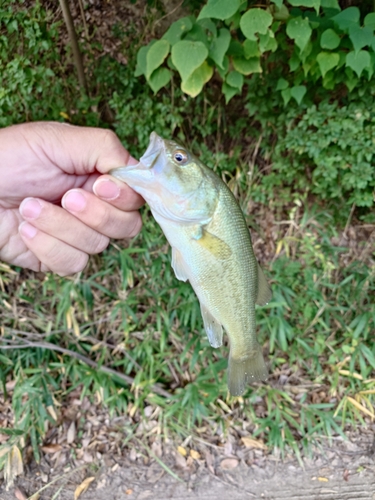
[264,291]
[178,265]
[213,329]
[214,244]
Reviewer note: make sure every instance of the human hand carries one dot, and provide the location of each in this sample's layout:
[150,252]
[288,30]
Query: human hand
[55,207]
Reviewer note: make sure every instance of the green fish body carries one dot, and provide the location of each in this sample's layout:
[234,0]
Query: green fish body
[211,247]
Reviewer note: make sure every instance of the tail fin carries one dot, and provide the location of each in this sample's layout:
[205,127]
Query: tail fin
[244,371]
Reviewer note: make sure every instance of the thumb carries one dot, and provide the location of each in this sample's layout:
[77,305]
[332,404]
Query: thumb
[81,150]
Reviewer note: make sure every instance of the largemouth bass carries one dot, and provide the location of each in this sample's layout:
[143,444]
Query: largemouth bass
[211,247]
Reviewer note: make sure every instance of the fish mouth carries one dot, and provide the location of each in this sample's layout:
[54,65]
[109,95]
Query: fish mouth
[156,145]
[134,175]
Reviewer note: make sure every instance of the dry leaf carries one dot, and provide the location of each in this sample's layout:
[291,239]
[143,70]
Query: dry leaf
[194,454]
[210,461]
[71,434]
[4,451]
[10,385]
[52,412]
[229,463]
[156,448]
[36,496]
[19,494]
[180,460]
[13,466]
[83,487]
[129,491]
[323,479]
[181,451]
[51,448]
[253,443]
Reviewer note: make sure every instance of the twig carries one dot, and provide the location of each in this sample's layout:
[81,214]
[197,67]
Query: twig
[168,14]
[83,18]
[73,40]
[52,347]
[349,221]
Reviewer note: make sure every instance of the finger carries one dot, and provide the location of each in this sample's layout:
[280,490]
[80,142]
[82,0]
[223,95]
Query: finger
[117,193]
[60,224]
[54,255]
[100,215]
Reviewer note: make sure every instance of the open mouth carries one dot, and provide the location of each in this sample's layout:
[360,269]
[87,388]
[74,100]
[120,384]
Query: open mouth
[153,150]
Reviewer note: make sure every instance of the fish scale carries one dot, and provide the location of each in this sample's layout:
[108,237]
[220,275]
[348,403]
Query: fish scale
[211,248]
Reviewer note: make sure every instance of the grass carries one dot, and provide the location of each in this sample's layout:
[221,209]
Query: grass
[140,329]
[127,311]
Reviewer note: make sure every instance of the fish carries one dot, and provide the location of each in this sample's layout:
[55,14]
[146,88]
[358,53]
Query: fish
[211,248]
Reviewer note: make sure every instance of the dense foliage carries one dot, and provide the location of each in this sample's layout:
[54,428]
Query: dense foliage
[302,52]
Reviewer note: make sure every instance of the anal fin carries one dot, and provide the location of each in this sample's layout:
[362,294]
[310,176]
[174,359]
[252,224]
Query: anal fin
[213,329]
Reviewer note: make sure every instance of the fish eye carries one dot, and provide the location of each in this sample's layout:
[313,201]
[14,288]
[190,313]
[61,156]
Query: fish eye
[180,156]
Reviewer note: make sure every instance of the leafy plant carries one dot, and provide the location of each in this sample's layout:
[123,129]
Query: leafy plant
[330,151]
[299,44]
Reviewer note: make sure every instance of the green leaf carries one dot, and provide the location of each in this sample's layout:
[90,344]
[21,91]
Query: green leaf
[11,432]
[197,34]
[177,29]
[209,25]
[298,93]
[347,18]
[294,62]
[267,42]
[235,79]
[330,4]
[187,56]
[250,49]
[314,4]
[247,66]
[235,49]
[156,55]
[361,37]
[219,9]
[370,20]
[278,3]
[329,39]
[255,21]
[281,13]
[194,84]
[282,84]
[159,78]
[228,92]
[286,95]
[299,30]
[358,61]
[327,61]
[224,70]
[219,47]
[141,60]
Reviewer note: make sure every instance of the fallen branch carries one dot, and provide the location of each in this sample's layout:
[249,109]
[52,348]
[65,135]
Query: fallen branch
[52,347]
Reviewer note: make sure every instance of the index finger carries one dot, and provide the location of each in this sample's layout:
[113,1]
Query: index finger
[117,193]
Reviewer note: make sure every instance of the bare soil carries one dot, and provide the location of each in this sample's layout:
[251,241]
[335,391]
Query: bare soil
[341,470]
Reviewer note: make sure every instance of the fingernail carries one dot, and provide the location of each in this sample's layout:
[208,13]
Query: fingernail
[74,201]
[106,189]
[27,230]
[30,208]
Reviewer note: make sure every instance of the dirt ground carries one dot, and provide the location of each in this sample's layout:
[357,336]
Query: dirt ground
[340,470]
